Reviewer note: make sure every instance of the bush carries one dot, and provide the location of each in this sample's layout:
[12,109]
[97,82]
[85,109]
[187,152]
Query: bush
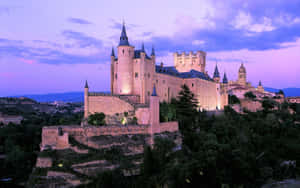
[97,119]
[250,95]
[232,99]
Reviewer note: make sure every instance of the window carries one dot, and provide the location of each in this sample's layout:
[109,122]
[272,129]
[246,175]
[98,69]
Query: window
[192,84]
[136,75]
[116,76]
[148,93]
[123,51]
[148,75]
[164,81]
[157,81]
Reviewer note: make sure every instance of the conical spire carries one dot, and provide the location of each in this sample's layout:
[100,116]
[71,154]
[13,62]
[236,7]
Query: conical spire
[112,52]
[259,83]
[152,52]
[154,91]
[86,84]
[123,38]
[143,47]
[216,73]
[225,80]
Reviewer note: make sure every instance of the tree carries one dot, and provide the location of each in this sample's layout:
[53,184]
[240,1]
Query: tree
[186,105]
[268,104]
[250,95]
[280,92]
[97,119]
[233,99]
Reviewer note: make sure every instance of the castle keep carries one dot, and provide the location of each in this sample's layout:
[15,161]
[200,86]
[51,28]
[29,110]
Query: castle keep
[134,74]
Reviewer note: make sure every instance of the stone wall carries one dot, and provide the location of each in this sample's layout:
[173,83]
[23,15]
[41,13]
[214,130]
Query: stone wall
[251,105]
[143,115]
[109,105]
[43,162]
[51,137]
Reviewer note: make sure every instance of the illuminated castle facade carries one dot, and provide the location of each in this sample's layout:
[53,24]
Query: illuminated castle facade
[134,72]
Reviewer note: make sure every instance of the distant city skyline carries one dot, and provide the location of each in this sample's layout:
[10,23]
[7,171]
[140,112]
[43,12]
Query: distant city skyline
[54,46]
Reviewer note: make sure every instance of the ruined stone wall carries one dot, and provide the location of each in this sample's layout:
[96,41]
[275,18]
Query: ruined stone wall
[169,126]
[43,162]
[50,135]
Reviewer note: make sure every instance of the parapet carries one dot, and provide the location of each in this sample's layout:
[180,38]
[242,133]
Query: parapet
[190,53]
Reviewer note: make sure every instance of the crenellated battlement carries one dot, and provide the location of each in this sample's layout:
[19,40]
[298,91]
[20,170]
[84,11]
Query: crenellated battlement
[190,53]
[185,62]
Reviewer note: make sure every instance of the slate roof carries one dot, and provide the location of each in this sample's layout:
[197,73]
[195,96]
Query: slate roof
[137,54]
[225,80]
[123,38]
[173,72]
[216,73]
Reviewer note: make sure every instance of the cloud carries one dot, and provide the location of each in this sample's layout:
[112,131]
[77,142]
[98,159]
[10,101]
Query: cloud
[82,39]
[79,21]
[53,53]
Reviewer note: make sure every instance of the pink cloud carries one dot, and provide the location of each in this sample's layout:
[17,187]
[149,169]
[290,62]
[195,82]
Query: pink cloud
[28,61]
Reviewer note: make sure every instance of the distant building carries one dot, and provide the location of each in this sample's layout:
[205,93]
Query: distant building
[6,119]
[293,99]
[241,86]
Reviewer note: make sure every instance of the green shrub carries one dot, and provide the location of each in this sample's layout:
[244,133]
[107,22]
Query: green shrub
[97,119]
[250,95]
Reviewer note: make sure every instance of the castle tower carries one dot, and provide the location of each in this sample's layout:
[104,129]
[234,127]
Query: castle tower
[124,73]
[242,80]
[216,75]
[260,88]
[86,100]
[112,61]
[191,61]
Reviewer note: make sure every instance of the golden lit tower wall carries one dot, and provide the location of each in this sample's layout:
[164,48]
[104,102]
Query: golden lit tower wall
[185,62]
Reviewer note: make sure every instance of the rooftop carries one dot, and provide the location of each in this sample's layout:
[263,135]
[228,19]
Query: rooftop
[173,72]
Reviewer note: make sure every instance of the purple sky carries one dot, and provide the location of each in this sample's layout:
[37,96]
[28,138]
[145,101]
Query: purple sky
[54,46]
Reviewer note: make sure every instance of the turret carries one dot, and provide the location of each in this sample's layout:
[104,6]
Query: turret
[152,52]
[112,68]
[123,38]
[216,75]
[225,80]
[242,80]
[124,74]
[143,52]
[260,88]
[86,100]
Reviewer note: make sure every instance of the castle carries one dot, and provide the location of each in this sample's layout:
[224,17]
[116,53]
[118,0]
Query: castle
[134,74]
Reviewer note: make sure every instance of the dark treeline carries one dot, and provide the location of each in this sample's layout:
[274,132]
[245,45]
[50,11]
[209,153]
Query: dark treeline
[231,150]
[19,144]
